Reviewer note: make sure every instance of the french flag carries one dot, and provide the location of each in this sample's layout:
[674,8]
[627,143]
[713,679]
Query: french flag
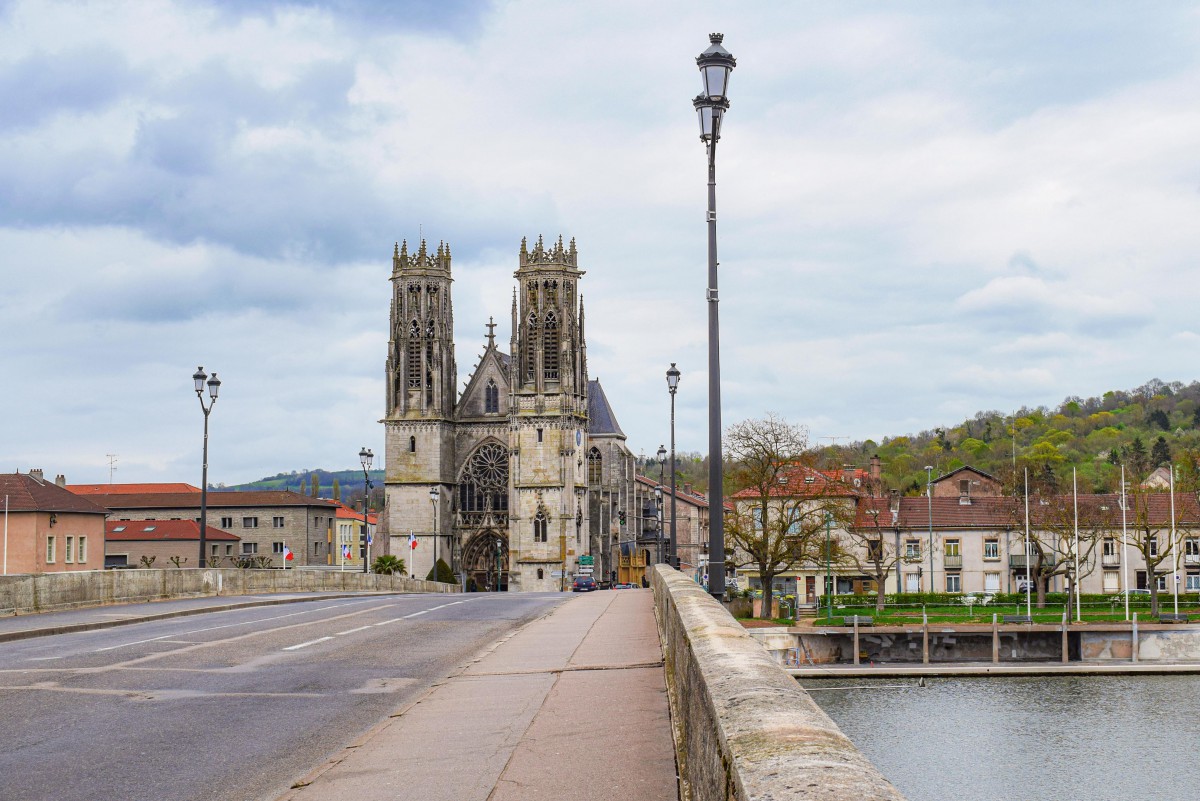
[287,554]
[412,541]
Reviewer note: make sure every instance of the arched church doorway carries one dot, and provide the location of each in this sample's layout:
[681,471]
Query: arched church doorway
[485,561]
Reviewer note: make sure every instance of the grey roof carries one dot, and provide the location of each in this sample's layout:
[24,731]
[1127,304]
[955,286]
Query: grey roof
[601,419]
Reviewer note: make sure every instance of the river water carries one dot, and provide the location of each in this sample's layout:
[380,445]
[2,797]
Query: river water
[1080,738]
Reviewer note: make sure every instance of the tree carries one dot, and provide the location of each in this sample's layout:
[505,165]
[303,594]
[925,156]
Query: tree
[444,573]
[781,502]
[387,564]
[1052,540]
[1138,459]
[1160,454]
[871,552]
[1148,531]
[337,490]
[1159,418]
[314,485]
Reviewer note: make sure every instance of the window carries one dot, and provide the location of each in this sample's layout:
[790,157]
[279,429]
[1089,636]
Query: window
[595,465]
[413,356]
[1112,582]
[1110,546]
[912,549]
[50,550]
[491,397]
[249,548]
[68,557]
[912,582]
[412,444]
[1162,581]
[964,486]
[228,549]
[756,515]
[991,582]
[874,550]
[214,549]
[81,555]
[953,582]
[1191,551]
[550,348]
[991,550]
[1152,545]
[539,435]
[541,573]
[249,522]
[226,522]
[276,547]
[952,548]
[277,522]
[1193,581]
[539,527]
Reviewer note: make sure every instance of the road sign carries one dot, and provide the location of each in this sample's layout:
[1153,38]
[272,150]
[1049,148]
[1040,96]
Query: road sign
[556,574]
[585,570]
[587,560]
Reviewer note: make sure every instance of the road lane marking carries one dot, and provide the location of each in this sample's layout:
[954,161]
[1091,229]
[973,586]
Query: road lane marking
[351,631]
[306,644]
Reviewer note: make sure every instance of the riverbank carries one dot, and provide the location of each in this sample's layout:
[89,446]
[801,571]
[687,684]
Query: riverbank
[1107,668]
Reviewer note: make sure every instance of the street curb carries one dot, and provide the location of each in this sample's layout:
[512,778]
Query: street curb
[129,621]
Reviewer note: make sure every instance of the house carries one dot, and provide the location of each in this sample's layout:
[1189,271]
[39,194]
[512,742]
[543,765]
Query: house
[162,543]
[346,537]
[268,523]
[48,529]
[645,537]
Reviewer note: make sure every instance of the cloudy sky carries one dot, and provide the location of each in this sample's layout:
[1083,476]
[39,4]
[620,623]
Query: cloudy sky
[926,210]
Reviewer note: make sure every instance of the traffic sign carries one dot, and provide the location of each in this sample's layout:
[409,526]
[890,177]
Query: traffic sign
[585,570]
[587,560]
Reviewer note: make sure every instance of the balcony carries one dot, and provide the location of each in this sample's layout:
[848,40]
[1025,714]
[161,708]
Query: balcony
[1016,560]
[1110,560]
[952,560]
[1191,558]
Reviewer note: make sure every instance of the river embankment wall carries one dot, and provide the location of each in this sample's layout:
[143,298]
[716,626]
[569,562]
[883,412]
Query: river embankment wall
[44,592]
[745,730]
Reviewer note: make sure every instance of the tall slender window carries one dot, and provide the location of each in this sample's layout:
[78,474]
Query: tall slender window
[539,527]
[550,347]
[531,337]
[595,465]
[414,356]
[491,397]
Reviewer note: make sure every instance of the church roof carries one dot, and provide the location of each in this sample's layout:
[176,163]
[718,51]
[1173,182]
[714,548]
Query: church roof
[601,419]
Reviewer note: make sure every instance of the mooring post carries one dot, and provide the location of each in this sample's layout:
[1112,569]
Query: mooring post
[1134,644]
[925,638]
[856,639]
[1065,651]
[995,638]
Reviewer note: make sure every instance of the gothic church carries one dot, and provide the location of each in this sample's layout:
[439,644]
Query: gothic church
[527,470]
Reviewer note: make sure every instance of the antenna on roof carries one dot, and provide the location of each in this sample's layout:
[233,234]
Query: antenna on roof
[112,465]
[833,440]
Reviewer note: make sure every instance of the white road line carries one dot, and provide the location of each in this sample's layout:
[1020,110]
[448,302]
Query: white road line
[136,642]
[351,631]
[306,644]
[416,614]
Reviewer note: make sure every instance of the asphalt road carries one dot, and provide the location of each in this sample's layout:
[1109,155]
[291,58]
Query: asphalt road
[228,705]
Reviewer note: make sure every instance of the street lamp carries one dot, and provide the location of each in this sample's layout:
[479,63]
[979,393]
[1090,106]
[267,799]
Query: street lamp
[214,386]
[365,456]
[672,385]
[715,64]
[658,503]
[434,495]
[929,496]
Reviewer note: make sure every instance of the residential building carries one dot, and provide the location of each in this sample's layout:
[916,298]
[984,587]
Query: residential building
[346,544]
[265,521]
[647,534]
[47,529]
[163,543]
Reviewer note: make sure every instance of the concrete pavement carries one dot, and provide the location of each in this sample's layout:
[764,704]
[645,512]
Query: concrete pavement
[572,705]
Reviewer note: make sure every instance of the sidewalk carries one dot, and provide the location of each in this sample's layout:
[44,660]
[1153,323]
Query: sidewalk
[44,624]
[572,705]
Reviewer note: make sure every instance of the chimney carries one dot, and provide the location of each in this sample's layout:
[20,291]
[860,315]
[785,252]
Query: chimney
[687,488]
[848,473]
[875,471]
[36,474]
[894,502]
[61,480]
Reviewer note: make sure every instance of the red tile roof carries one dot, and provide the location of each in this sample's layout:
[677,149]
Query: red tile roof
[800,481]
[344,512]
[694,498]
[28,494]
[142,530]
[1009,512]
[216,500]
[129,489]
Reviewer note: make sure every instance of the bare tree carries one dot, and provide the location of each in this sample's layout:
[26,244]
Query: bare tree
[781,502]
[1052,547]
[870,552]
[1149,525]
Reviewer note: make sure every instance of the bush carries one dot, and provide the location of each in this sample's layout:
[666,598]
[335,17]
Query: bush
[444,573]
[387,565]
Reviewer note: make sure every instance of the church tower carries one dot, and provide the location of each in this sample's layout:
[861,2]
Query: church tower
[421,392]
[548,409]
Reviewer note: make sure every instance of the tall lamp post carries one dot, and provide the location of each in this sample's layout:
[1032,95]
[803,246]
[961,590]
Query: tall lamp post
[715,64]
[434,495]
[673,548]
[366,457]
[214,386]
[929,497]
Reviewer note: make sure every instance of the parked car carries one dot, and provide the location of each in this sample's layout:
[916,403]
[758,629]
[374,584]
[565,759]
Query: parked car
[624,586]
[1025,585]
[584,584]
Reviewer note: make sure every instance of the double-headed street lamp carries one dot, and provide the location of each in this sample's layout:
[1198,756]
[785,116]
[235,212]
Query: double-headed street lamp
[715,64]
[434,495]
[214,386]
[673,547]
[366,457]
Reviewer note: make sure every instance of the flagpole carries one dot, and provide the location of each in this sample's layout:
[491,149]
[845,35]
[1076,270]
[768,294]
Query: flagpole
[6,535]
[1078,594]
[1124,548]
[1175,555]
[1028,574]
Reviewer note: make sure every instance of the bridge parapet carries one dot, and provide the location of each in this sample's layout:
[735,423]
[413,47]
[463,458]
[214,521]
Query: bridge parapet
[745,730]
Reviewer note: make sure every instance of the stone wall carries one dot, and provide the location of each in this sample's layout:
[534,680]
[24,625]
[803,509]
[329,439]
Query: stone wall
[745,729]
[43,592]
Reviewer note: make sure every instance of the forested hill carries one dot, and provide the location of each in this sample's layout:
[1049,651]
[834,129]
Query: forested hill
[1156,424]
[343,484]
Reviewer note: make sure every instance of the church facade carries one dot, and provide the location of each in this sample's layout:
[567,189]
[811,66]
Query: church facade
[513,480]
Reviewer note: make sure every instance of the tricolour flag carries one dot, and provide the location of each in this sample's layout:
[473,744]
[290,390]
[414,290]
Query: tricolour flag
[345,551]
[412,541]
[287,554]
